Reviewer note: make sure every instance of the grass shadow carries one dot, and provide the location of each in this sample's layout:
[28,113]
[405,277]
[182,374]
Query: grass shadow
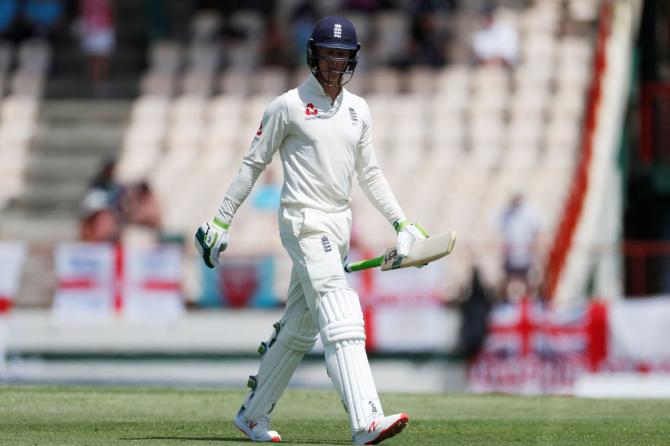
[227,439]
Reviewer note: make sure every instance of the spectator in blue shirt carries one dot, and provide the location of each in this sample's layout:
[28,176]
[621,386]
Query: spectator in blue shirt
[9,10]
[43,16]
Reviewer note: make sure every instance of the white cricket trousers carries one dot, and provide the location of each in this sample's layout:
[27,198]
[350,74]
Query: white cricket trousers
[319,301]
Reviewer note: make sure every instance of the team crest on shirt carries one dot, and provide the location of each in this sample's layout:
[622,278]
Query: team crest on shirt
[259,132]
[327,247]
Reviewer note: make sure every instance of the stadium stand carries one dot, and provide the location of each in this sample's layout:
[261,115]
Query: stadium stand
[488,128]
[463,134]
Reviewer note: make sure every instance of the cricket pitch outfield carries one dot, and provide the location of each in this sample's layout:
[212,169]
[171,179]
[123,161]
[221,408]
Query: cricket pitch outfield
[166,416]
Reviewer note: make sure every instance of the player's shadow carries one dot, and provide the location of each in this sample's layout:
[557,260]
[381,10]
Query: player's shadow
[229,439]
[164,437]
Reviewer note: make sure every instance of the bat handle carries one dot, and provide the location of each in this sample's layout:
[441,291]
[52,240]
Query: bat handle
[364,264]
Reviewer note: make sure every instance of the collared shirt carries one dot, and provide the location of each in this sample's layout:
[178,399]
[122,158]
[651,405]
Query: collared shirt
[322,143]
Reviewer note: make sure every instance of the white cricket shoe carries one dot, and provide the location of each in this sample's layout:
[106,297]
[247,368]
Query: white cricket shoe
[380,429]
[258,430]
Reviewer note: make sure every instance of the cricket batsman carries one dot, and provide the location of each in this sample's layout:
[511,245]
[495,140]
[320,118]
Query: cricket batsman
[323,134]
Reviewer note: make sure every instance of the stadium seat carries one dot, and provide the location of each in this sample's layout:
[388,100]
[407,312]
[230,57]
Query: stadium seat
[271,82]
[242,57]
[525,130]
[456,77]
[204,57]
[534,76]
[490,78]
[149,109]
[392,31]
[384,81]
[164,57]
[486,128]
[205,26]
[563,132]
[542,17]
[489,102]
[188,108]
[445,130]
[421,80]
[538,48]
[34,57]
[158,84]
[19,108]
[358,84]
[235,83]
[583,10]
[197,83]
[26,83]
[575,49]
[567,103]
[529,101]
[361,24]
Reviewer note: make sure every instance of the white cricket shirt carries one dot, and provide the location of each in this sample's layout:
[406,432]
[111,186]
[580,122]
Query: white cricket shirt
[321,144]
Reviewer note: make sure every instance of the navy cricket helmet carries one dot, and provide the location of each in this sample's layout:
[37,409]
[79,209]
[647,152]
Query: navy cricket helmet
[337,33]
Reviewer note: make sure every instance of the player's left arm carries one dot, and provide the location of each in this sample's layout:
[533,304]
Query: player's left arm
[376,188]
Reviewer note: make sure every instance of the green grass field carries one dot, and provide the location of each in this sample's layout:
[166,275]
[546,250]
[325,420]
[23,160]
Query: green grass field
[164,416]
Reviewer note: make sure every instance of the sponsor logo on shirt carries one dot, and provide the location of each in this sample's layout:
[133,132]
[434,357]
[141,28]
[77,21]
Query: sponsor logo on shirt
[311,110]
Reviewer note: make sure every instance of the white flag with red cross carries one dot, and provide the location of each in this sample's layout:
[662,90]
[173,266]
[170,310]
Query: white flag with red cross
[12,258]
[102,281]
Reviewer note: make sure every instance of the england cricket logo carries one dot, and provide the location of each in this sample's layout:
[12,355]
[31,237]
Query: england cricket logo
[327,247]
[337,31]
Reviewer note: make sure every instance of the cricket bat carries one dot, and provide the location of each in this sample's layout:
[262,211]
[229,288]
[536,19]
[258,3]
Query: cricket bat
[422,252]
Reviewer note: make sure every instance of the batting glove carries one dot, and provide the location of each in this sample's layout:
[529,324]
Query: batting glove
[211,239]
[407,233]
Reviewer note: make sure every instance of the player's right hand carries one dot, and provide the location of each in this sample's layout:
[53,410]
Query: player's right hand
[211,239]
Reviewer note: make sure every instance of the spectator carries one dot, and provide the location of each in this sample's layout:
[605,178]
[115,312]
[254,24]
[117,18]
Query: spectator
[474,317]
[428,44]
[134,205]
[9,17]
[44,17]
[497,43]
[99,221]
[274,46]
[303,18]
[105,180]
[519,226]
[141,206]
[142,216]
[97,32]
[368,6]
[156,22]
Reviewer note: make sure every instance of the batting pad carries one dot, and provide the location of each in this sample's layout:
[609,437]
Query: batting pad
[287,346]
[343,337]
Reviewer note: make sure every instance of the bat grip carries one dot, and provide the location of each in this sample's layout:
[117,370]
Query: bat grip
[364,264]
